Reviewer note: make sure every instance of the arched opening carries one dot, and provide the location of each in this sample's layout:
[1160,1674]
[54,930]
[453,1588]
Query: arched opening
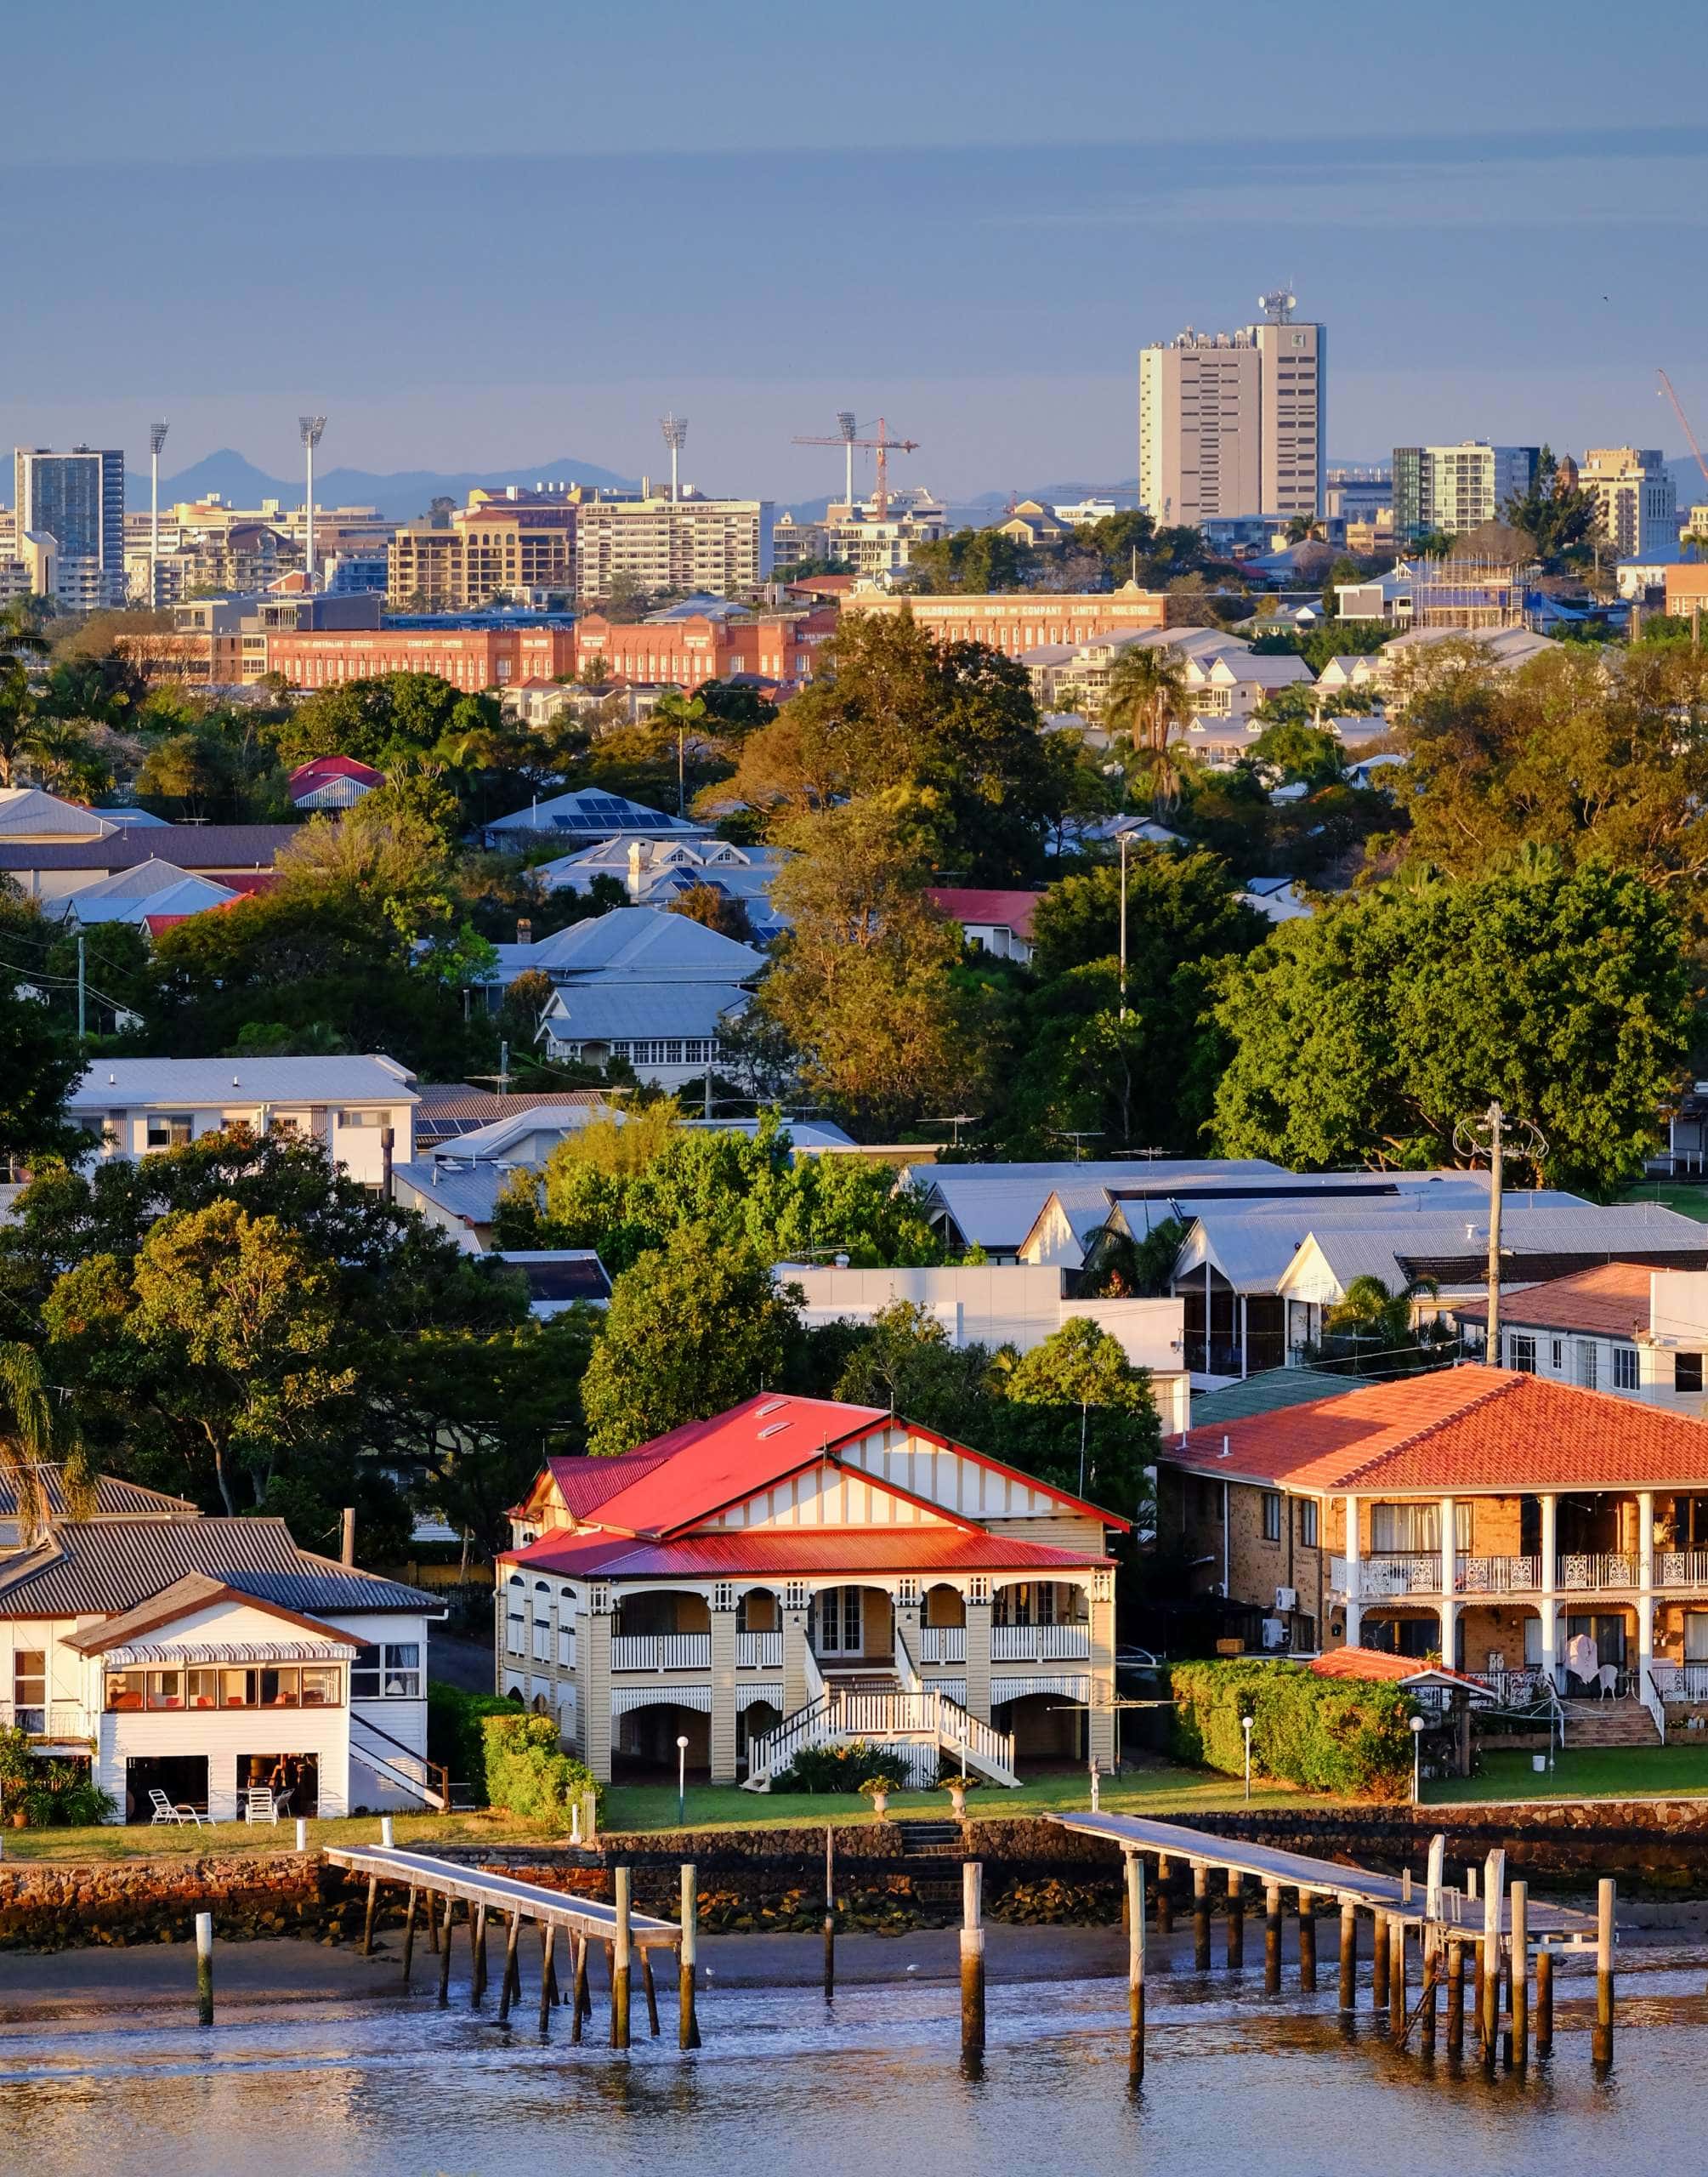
[852,1629]
[758,1630]
[1040,1621]
[1050,1730]
[943,1625]
[753,1719]
[644,1735]
[661,1628]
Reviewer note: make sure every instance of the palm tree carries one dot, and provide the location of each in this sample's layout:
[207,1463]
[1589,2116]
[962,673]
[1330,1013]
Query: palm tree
[1147,700]
[1368,1314]
[34,1435]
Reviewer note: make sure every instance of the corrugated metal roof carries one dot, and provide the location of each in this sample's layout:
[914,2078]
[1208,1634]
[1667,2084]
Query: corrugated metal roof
[648,940]
[469,1191]
[105,1568]
[191,846]
[194,1081]
[113,1499]
[599,1011]
[794,1552]
[1268,1393]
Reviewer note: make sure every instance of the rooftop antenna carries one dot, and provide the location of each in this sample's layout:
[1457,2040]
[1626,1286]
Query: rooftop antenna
[156,440]
[675,429]
[1277,305]
[311,428]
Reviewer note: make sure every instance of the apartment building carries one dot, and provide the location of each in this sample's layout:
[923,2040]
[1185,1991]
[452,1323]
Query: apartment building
[1454,488]
[76,500]
[1637,499]
[493,549]
[1235,423]
[720,547]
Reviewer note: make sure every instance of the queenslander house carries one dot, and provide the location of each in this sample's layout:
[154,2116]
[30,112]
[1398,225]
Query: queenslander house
[1548,1539]
[800,1573]
[201,1661]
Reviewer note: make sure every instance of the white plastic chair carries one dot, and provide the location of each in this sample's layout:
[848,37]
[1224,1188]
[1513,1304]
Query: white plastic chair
[165,1811]
[260,1806]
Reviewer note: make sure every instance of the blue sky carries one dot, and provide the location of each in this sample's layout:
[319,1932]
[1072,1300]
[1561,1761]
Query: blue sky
[507,235]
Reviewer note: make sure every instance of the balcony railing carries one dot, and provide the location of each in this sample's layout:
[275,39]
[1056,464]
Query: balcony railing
[1681,1682]
[1680,1568]
[1040,1643]
[52,1719]
[660,1652]
[759,1651]
[1387,1579]
[942,1644]
[1598,1569]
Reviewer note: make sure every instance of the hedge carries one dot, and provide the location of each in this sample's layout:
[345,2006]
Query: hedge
[1344,1737]
[454,1719]
[528,1774]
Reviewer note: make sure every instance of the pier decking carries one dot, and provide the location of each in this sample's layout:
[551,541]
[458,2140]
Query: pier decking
[502,1893]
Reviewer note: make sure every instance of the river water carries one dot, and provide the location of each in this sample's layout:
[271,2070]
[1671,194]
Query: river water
[358,2086]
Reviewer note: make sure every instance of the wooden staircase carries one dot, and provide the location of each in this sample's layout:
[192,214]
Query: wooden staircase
[1625,1722]
[883,1713]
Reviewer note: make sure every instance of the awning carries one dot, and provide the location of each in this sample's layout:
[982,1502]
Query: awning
[624,1698]
[177,1656]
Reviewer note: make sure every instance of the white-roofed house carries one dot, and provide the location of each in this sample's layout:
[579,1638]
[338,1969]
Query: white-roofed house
[360,1109]
[1226,689]
[456,1182]
[30,812]
[656,870]
[136,896]
[581,817]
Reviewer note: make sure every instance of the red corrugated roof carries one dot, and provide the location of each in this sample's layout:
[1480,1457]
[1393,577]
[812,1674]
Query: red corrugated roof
[975,904]
[336,767]
[793,1552]
[1469,1427]
[1612,1299]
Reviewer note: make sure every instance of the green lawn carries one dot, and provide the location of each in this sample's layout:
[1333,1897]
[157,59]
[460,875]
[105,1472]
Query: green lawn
[1671,1194]
[142,1843]
[1593,1772]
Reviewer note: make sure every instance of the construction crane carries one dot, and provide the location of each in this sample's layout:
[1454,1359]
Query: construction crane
[1684,423]
[883,446]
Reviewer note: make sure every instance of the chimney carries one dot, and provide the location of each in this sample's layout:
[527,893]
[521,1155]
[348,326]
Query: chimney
[524,929]
[347,1552]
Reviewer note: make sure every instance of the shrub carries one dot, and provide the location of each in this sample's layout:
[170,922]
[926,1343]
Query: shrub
[1339,1736]
[828,1768]
[529,1775]
[454,1732]
[60,1795]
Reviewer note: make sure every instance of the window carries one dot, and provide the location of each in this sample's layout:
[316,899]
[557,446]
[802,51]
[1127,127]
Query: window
[280,1688]
[1696,1636]
[1415,1529]
[201,1689]
[320,1686]
[1588,1359]
[1686,1371]
[1625,1367]
[1521,1352]
[237,1689]
[169,1129]
[1271,1516]
[364,1118]
[124,1689]
[393,1672]
[1307,1524]
[30,1689]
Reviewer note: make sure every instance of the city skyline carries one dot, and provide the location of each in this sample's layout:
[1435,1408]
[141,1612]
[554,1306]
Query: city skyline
[1513,277]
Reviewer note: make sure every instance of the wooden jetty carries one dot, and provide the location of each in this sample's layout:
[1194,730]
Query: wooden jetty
[1505,1930]
[579,1922]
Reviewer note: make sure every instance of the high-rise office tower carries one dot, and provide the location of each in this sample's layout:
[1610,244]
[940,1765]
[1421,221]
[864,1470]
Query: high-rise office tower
[76,499]
[1236,422]
[1638,497]
[1452,488]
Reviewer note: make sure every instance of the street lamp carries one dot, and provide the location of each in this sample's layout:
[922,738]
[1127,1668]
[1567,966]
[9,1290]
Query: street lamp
[682,1779]
[1417,1760]
[1245,1726]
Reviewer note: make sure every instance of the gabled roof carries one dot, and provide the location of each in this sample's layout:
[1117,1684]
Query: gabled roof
[1469,1428]
[791,1552]
[590,814]
[500,1135]
[31,812]
[1611,1299]
[1004,910]
[597,1011]
[190,846]
[113,1499]
[195,1591]
[83,1570]
[635,942]
[319,769]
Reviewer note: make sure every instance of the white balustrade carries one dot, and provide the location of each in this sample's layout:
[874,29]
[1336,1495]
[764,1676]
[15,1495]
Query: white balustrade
[1499,1575]
[1680,1568]
[660,1652]
[942,1644]
[1598,1569]
[1038,1643]
[759,1651]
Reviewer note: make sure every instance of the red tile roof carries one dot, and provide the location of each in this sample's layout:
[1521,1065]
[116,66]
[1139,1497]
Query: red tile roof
[1375,1663]
[1612,1299]
[1469,1427]
[1001,909]
[793,1552]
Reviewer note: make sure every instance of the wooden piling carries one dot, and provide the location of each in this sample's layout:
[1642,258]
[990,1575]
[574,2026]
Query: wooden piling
[1520,1973]
[548,1945]
[829,1912]
[1201,1916]
[1348,1957]
[512,1986]
[368,1916]
[1272,1938]
[1236,1919]
[432,1925]
[1396,1976]
[651,1991]
[1455,1998]
[409,1932]
[444,1952]
[1544,2001]
[1308,1941]
[973,1958]
[204,1968]
[621,1880]
[1379,1963]
[580,2002]
[688,2030]
[1493,1903]
[1600,2040]
[1135,1970]
[1164,1901]
[1426,2006]
[477,1948]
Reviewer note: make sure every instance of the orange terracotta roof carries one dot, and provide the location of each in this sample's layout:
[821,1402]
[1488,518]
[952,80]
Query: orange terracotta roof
[1612,1299]
[1362,1663]
[1470,1428]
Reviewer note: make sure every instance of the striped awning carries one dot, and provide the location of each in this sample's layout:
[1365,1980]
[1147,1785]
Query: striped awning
[1071,1688]
[624,1698]
[177,1656]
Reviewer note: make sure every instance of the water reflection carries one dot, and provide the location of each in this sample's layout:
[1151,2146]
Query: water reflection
[359,2088]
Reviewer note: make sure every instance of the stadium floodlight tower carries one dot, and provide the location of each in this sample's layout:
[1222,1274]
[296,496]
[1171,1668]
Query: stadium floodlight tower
[847,425]
[311,428]
[675,429]
[156,439]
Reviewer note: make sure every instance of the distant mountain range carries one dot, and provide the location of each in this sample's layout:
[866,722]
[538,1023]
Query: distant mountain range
[405,496]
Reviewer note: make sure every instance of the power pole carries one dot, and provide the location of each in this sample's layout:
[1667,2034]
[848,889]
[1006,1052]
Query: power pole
[1123,926]
[82,986]
[1491,1133]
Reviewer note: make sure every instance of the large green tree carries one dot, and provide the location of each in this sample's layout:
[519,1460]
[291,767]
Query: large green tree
[1366,1032]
